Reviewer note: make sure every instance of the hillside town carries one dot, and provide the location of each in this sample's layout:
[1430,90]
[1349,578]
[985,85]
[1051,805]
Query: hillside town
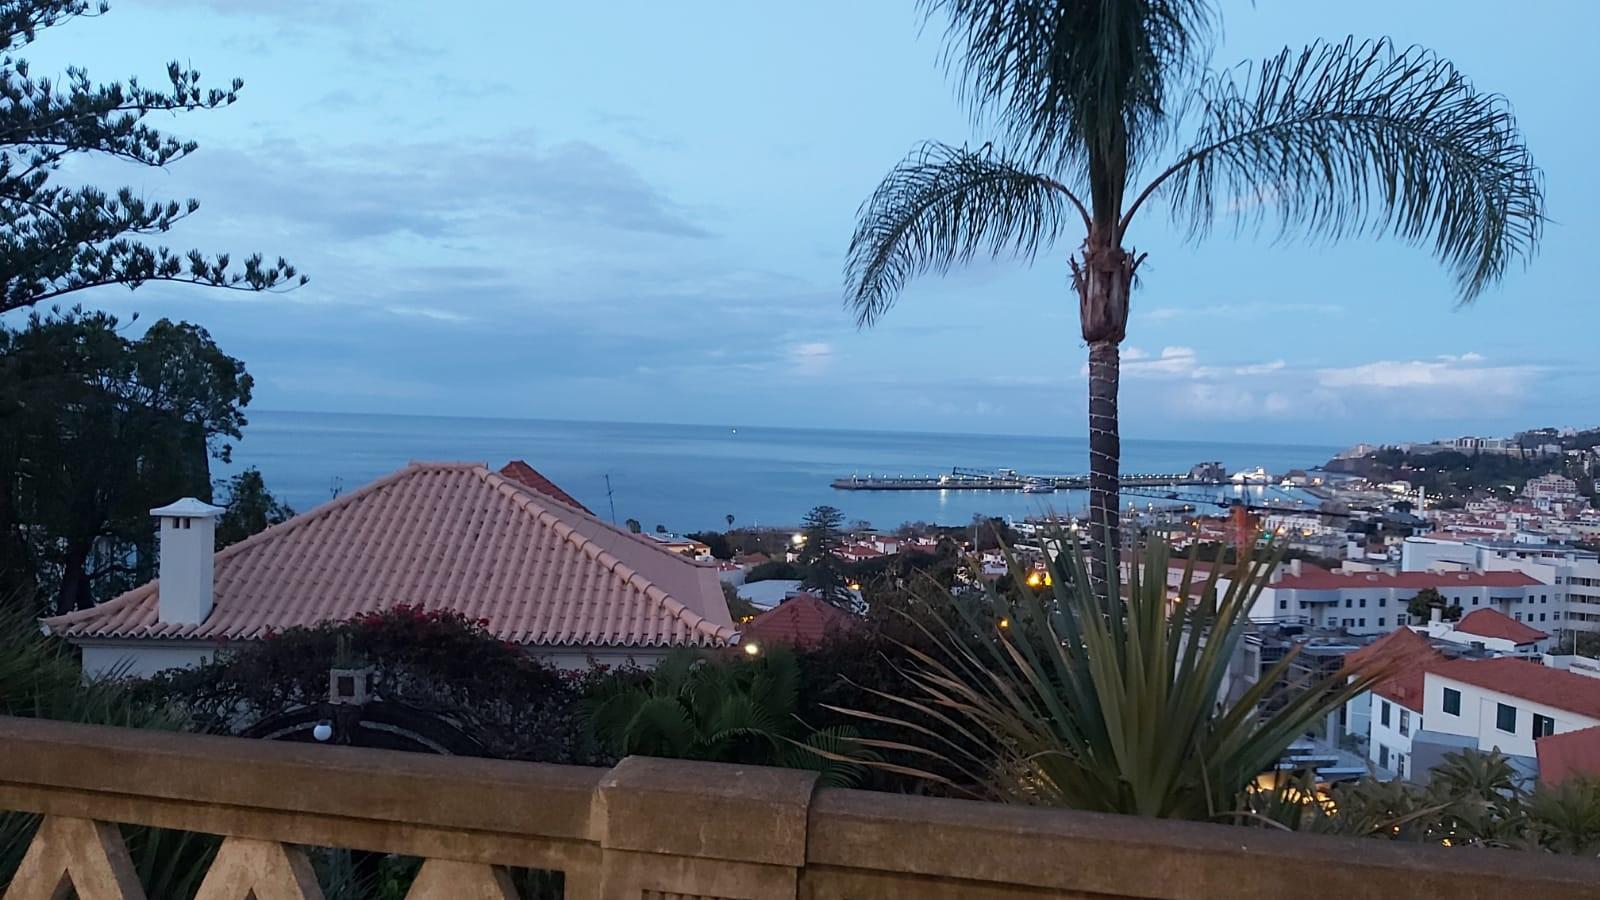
[732,450]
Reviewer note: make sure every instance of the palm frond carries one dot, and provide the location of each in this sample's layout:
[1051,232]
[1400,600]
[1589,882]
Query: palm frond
[1345,139]
[940,206]
[1077,80]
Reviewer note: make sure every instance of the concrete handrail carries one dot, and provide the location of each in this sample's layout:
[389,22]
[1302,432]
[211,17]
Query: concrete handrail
[654,827]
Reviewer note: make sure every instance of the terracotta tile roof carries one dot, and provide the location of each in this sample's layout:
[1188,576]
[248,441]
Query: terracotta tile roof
[1569,753]
[1492,623]
[451,536]
[1407,656]
[802,621]
[1321,580]
[1529,681]
[519,471]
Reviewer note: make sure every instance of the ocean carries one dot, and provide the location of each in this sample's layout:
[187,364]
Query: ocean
[691,477]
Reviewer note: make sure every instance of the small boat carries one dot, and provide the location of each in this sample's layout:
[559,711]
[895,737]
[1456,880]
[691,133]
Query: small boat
[1258,475]
[1038,486]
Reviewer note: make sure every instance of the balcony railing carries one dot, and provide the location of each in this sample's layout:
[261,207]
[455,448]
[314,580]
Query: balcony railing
[652,828]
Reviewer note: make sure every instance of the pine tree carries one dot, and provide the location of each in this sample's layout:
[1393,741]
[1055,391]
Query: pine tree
[57,239]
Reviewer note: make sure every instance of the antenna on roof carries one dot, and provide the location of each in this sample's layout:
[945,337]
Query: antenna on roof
[610,501]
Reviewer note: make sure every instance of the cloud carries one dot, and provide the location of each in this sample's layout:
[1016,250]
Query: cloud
[1238,311]
[423,312]
[456,189]
[1184,362]
[1465,376]
[811,357]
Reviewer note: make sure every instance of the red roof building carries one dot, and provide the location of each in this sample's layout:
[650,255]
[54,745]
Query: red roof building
[524,474]
[1529,681]
[1406,656]
[803,620]
[1562,756]
[1491,623]
[539,571]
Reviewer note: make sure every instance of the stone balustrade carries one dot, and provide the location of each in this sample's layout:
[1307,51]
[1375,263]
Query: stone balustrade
[651,829]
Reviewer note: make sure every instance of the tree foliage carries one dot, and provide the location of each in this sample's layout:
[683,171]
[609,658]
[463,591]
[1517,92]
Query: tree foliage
[822,571]
[57,239]
[251,508]
[1420,608]
[95,430]
[435,661]
[694,706]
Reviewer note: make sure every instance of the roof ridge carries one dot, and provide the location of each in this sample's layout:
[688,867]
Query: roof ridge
[526,497]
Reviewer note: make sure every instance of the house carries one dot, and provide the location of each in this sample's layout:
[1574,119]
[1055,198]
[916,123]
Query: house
[1504,704]
[1493,631]
[674,543]
[1390,713]
[503,547]
[802,620]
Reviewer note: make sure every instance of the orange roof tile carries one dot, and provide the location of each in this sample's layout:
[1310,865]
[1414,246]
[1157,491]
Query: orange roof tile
[802,621]
[519,471]
[444,536]
[1570,753]
[1529,681]
[1407,656]
[1492,623]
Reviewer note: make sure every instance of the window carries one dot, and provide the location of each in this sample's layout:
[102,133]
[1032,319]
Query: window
[1362,621]
[1541,617]
[1380,621]
[1519,616]
[1400,619]
[1541,598]
[1543,725]
[1383,756]
[1348,602]
[1383,714]
[1383,601]
[1452,702]
[1474,601]
[1400,764]
[1505,718]
[1405,721]
[1363,603]
[1283,604]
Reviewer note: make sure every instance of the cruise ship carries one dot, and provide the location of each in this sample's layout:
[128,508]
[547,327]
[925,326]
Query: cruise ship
[1257,475]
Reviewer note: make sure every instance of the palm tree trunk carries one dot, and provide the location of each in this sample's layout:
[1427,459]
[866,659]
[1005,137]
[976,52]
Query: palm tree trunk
[1103,280]
[1105,459]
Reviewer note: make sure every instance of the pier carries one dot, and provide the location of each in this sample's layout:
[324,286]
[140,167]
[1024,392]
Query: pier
[962,479]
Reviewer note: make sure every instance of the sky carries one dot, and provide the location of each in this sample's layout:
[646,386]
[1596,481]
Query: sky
[639,211]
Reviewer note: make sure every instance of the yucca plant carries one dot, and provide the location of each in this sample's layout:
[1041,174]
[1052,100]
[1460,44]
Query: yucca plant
[696,706]
[1043,697]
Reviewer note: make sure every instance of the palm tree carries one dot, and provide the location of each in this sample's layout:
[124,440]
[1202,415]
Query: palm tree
[1101,109]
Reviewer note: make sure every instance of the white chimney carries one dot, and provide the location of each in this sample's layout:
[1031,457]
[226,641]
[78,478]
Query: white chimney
[188,539]
[1294,567]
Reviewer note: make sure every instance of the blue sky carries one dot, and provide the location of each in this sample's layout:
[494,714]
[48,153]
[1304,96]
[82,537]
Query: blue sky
[639,211]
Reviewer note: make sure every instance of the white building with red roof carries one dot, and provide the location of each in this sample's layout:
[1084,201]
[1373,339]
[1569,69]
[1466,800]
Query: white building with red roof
[1505,704]
[507,547]
[1492,631]
[1370,602]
